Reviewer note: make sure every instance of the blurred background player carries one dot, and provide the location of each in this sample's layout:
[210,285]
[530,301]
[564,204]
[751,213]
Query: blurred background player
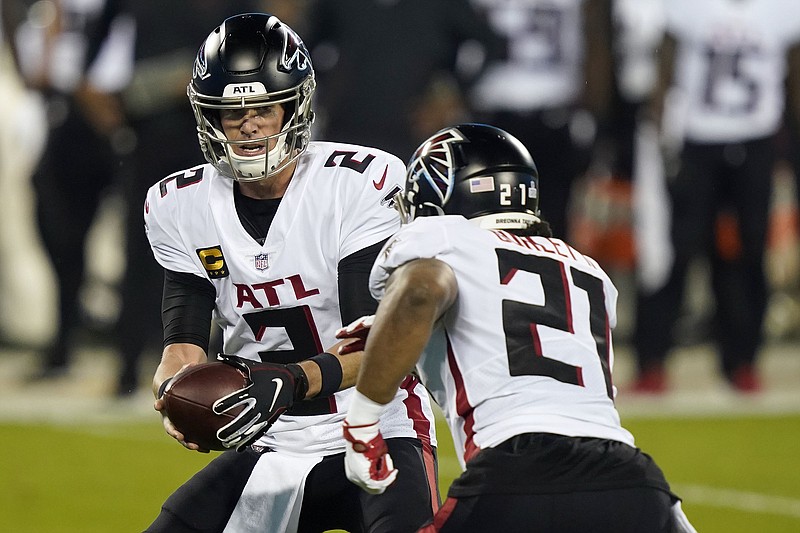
[394,71]
[79,56]
[275,237]
[24,127]
[638,29]
[603,221]
[521,366]
[550,86]
[719,103]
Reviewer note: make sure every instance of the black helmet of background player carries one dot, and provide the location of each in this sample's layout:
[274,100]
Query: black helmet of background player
[252,60]
[474,170]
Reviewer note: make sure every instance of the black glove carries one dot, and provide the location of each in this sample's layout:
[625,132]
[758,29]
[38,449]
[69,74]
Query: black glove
[272,390]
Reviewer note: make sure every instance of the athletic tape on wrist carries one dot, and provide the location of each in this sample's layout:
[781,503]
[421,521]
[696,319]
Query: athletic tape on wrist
[331,372]
[363,412]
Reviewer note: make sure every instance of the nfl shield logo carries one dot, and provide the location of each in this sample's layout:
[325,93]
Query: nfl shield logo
[262,261]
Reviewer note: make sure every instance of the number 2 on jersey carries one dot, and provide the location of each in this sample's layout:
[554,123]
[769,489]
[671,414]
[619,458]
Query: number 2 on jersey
[521,320]
[298,324]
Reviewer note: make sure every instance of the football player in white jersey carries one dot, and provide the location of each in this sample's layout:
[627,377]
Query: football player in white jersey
[276,235]
[510,329]
[719,103]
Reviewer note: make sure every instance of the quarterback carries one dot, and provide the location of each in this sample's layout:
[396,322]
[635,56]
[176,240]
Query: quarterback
[274,237]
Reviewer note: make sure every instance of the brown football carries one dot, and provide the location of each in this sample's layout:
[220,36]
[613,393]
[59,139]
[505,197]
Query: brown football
[189,399]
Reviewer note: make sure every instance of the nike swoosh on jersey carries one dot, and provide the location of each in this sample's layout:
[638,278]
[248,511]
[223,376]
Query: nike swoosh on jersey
[278,386]
[379,184]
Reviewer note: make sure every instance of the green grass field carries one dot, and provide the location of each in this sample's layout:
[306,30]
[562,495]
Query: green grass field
[735,474]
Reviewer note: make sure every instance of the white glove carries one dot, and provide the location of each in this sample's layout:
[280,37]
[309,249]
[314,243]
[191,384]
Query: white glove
[367,462]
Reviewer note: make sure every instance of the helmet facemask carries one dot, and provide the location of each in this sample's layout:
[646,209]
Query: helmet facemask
[252,61]
[287,144]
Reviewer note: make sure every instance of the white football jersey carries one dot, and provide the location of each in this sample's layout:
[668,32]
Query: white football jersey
[543,66]
[730,66]
[281,300]
[527,345]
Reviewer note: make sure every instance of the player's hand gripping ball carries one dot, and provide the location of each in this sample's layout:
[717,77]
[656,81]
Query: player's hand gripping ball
[189,398]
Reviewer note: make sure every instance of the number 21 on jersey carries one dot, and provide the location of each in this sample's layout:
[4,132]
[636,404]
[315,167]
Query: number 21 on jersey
[521,320]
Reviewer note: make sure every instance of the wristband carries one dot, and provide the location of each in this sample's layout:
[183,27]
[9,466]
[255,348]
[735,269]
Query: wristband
[163,388]
[331,373]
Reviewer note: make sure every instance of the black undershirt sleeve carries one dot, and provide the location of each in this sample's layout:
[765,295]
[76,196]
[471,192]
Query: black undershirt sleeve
[186,308]
[354,298]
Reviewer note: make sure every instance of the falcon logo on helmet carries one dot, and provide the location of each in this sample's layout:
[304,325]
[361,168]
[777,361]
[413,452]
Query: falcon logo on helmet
[435,162]
[293,54]
[200,69]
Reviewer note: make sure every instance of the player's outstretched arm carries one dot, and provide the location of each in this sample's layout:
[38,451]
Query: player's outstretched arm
[334,369]
[417,294]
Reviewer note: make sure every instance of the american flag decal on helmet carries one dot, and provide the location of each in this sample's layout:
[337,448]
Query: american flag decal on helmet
[435,162]
[484,184]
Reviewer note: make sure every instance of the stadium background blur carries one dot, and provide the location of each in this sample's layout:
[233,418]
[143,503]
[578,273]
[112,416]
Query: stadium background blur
[79,458]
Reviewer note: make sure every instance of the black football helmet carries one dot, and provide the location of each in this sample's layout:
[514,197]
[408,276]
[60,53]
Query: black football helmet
[252,60]
[475,170]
